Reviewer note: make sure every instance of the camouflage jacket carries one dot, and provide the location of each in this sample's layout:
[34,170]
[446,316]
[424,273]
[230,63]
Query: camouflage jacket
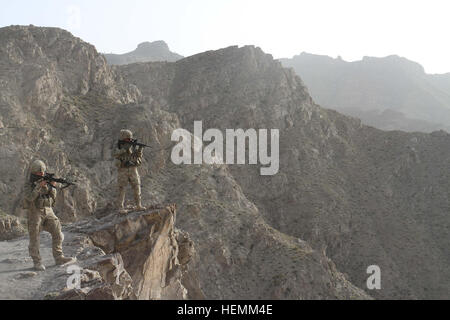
[39,197]
[128,157]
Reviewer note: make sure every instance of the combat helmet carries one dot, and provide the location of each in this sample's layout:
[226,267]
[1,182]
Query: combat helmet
[126,134]
[38,166]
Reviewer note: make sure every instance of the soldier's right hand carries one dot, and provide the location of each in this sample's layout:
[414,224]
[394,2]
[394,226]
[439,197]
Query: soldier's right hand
[43,183]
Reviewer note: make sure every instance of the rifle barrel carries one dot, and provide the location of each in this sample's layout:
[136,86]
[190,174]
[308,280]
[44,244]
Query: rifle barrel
[133,143]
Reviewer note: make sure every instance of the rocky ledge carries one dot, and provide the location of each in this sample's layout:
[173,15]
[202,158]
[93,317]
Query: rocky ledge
[136,256]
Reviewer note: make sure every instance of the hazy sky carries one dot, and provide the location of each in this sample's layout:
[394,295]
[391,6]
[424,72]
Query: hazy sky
[417,30]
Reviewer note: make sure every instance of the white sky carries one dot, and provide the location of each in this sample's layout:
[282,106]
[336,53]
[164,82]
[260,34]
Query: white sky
[417,30]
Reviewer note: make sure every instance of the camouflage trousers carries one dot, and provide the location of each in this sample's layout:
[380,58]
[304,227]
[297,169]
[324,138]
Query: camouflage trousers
[44,220]
[128,176]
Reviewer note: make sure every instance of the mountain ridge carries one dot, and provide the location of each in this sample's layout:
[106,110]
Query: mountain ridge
[372,88]
[346,196]
[74,128]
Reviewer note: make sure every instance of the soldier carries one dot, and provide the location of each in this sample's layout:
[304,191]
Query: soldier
[128,159]
[40,198]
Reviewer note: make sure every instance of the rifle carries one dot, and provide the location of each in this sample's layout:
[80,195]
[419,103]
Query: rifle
[49,178]
[135,143]
[132,142]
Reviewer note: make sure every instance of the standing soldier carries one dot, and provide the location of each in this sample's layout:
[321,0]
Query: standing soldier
[39,199]
[128,159]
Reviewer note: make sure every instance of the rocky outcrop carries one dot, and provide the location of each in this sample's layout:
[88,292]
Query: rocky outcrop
[145,52]
[106,279]
[10,227]
[138,256]
[148,244]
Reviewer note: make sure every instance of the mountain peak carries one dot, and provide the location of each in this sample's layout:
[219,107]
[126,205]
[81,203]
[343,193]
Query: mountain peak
[155,45]
[53,58]
[145,52]
[248,55]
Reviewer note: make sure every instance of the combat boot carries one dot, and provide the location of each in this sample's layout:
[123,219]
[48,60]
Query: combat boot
[139,207]
[38,266]
[64,260]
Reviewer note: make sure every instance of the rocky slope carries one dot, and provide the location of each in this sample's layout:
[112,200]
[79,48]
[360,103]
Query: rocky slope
[390,93]
[70,115]
[361,195]
[145,52]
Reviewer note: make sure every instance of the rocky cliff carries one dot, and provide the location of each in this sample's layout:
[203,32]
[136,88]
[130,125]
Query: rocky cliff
[139,256]
[347,196]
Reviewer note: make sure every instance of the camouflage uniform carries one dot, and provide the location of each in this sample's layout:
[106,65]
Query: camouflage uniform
[128,159]
[39,202]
